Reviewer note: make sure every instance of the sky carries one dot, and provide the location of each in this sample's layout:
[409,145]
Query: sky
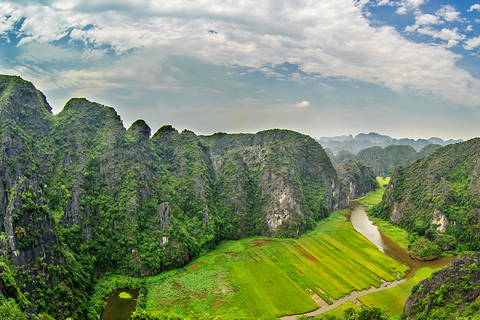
[405,68]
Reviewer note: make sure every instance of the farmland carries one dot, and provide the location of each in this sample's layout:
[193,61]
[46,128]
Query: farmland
[256,277]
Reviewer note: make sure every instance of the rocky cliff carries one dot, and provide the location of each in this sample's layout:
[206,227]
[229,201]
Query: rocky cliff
[455,286]
[441,192]
[358,178]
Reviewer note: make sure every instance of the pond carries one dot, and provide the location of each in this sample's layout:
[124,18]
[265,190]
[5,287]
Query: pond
[120,304]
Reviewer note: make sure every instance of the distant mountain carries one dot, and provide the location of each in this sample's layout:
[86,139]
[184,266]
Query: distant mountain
[367,140]
[383,160]
[372,137]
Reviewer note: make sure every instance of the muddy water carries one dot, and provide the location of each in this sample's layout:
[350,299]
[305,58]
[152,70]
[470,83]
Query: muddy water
[119,308]
[363,225]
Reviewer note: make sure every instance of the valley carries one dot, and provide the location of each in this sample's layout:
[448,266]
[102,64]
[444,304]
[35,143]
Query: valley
[228,225]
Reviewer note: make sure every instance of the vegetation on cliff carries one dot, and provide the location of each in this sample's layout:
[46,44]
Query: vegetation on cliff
[450,293]
[82,196]
[358,178]
[441,193]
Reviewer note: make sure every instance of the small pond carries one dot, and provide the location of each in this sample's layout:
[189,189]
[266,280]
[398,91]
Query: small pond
[120,304]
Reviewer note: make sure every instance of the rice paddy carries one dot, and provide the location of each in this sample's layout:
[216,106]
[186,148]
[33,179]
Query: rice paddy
[268,277]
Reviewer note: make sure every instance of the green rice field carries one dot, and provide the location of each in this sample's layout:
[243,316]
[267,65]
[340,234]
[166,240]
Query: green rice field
[394,298]
[256,277]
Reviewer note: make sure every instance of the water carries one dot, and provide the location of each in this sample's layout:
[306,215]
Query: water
[119,308]
[363,225]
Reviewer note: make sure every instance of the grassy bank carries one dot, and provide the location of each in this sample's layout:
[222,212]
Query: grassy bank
[256,277]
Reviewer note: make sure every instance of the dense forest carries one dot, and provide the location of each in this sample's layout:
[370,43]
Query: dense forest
[81,197]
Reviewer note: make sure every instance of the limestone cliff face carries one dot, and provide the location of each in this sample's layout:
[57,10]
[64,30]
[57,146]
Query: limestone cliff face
[357,178]
[288,178]
[439,192]
[30,241]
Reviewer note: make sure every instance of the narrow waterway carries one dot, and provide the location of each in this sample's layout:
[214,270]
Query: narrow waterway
[363,225]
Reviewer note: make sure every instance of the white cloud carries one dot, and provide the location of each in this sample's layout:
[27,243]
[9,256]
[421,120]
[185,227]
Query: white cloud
[474,7]
[329,38]
[303,104]
[423,19]
[426,19]
[406,5]
[384,2]
[449,13]
[444,34]
[472,43]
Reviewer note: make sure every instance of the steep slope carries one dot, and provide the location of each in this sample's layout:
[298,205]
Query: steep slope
[358,178]
[448,293]
[383,160]
[36,260]
[440,192]
[287,176]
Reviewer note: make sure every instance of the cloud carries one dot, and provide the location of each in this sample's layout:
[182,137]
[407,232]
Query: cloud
[444,34]
[303,104]
[406,5]
[384,3]
[472,43]
[422,20]
[474,7]
[326,39]
[449,13]
[426,19]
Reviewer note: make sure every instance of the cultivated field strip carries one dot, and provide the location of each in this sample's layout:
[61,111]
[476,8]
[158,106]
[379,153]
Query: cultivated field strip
[257,277]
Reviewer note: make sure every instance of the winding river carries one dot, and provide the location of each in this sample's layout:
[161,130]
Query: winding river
[363,225]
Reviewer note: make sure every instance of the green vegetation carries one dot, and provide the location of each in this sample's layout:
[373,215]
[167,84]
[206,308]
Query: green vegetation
[451,293]
[249,277]
[91,206]
[384,160]
[125,295]
[439,192]
[357,178]
[394,298]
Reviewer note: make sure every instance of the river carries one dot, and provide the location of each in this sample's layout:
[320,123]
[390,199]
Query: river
[363,225]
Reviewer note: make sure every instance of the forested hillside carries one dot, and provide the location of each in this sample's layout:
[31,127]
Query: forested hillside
[441,192]
[451,293]
[83,196]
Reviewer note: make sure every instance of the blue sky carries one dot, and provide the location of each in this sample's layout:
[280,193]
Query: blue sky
[406,68]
